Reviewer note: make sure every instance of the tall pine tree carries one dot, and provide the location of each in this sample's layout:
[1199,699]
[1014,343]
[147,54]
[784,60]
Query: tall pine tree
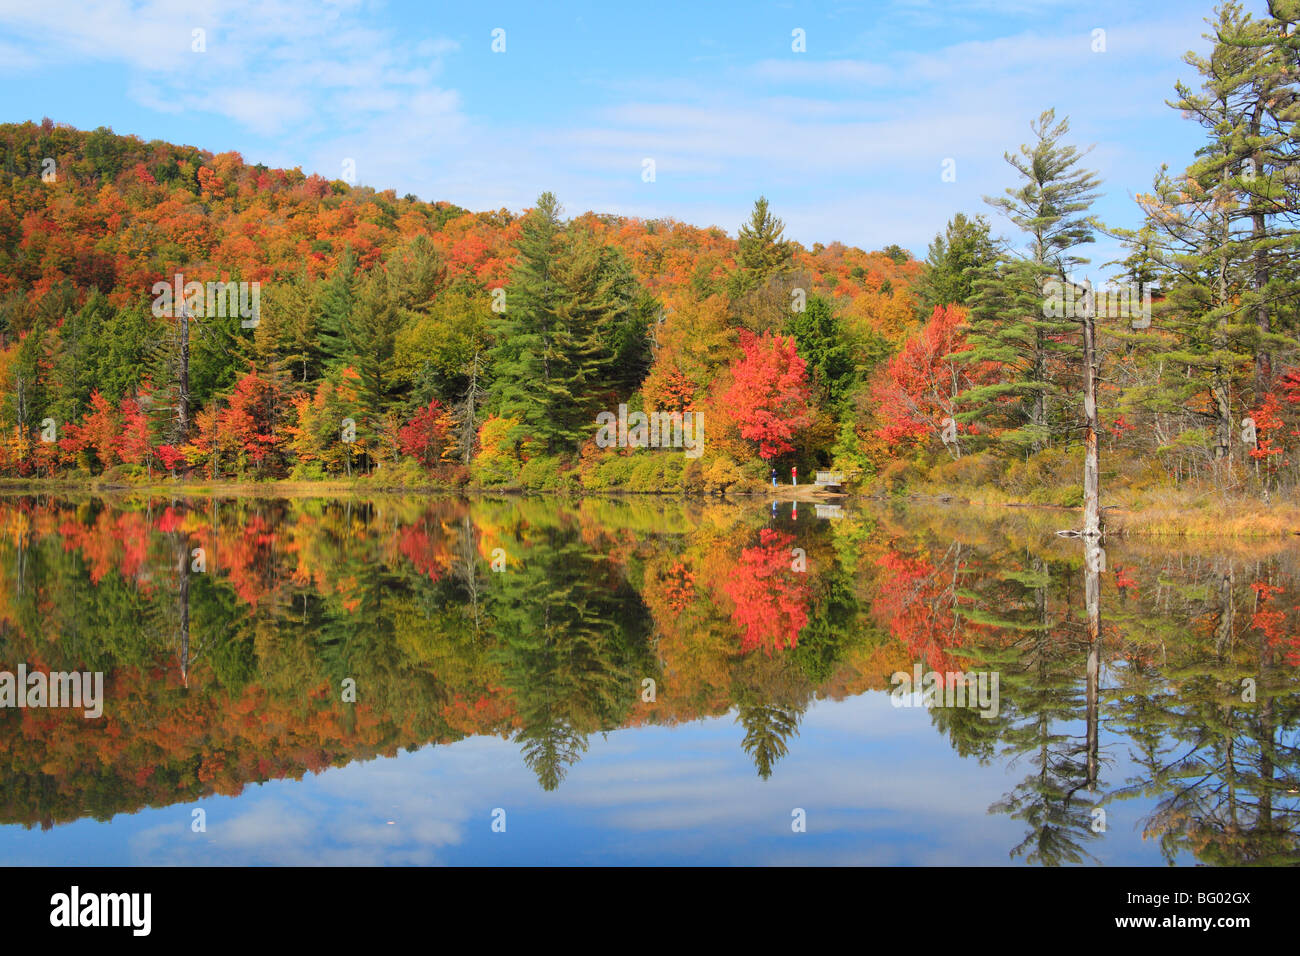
[574,326]
[1009,324]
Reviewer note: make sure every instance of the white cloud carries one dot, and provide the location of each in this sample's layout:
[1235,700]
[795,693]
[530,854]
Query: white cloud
[848,147]
[271,66]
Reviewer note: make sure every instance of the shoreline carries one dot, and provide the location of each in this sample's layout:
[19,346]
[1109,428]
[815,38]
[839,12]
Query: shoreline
[1194,516]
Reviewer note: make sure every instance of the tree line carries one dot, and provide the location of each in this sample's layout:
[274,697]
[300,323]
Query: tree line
[416,343]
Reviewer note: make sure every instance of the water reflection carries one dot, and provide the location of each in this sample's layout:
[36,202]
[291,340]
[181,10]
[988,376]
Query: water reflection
[230,631]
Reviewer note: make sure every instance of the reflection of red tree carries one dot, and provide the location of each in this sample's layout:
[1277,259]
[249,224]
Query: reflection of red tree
[919,606]
[172,519]
[771,598]
[423,550]
[112,543]
[1272,622]
[1125,581]
[492,711]
[247,558]
[132,531]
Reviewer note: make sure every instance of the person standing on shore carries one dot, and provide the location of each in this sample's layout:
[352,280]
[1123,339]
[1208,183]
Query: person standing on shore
[773,477]
[794,475]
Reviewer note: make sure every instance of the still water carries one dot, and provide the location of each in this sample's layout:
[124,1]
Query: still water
[425,681]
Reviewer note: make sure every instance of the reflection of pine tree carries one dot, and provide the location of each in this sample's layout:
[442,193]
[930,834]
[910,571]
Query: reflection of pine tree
[767,728]
[833,622]
[1040,677]
[1224,795]
[771,695]
[1057,819]
[572,638]
[550,746]
[357,637]
[969,732]
[1228,771]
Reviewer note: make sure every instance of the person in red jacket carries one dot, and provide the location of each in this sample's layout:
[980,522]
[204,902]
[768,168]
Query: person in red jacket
[794,474]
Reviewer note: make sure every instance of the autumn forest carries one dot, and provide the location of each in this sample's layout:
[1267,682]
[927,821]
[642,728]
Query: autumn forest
[672,541]
[392,342]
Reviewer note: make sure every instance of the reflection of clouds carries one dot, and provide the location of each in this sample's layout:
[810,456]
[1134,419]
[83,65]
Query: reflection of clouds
[907,799]
[879,785]
[339,818]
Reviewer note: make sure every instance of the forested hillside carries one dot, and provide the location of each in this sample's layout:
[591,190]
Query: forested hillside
[380,310]
[406,343]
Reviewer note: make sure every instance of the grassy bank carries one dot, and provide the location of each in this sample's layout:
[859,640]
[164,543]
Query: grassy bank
[1161,512]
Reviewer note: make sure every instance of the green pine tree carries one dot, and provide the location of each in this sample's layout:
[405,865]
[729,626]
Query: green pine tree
[827,348]
[763,253]
[956,257]
[525,332]
[1009,324]
[1220,239]
[572,332]
[337,299]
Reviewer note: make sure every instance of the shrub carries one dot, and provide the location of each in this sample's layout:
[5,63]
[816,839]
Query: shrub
[720,475]
[541,473]
[645,475]
[693,477]
[404,474]
[611,474]
[1038,475]
[124,473]
[307,471]
[895,476]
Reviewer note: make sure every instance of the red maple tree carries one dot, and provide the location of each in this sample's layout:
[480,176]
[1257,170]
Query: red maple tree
[917,388]
[768,396]
[427,436]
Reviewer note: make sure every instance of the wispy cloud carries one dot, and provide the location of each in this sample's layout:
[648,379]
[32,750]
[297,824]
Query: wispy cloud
[848,140]
[271,67]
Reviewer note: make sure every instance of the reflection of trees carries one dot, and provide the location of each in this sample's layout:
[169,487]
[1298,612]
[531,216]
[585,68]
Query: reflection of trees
[177,615]
[960,610]
[834,620]
[767,728]
[1051,799]
[468,570]
[1037,657]
[926,602]
[398,595]
[921,599]
[770,598]
[771,695]
[572,641]
[1225,770]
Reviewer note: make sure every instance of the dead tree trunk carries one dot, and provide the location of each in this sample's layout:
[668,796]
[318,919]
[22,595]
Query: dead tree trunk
[1091,471]
[1094,562]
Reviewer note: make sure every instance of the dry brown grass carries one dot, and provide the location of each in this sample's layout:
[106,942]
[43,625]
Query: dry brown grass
[1251,519]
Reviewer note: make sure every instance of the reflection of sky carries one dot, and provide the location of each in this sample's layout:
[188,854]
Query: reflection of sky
[879,785]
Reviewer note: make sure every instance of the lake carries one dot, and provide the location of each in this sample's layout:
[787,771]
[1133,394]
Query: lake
[415,680]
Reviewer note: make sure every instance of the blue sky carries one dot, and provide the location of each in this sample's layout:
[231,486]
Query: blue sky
[878,786]
[847,139]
